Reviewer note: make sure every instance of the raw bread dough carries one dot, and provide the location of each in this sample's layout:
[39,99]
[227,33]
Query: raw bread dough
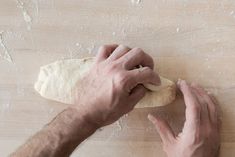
[56,81]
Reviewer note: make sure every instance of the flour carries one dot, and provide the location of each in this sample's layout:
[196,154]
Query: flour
[20,91]
[78,44]
[5,108]
[36,6]
[5,53]
[114,33]
[232,12]
[26,16]
[5,98]
[90,49]
[51,111]
[119,125]
[177,29]
[135,1]
[124,34]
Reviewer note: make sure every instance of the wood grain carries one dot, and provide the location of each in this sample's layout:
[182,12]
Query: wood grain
[193,40]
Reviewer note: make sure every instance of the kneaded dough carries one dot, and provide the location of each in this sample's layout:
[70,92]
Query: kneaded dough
[56,81]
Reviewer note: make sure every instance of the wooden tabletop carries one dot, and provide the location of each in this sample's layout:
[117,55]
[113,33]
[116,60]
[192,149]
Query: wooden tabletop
[193,40]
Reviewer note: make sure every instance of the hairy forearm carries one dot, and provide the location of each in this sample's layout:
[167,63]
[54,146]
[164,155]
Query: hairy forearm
[60,137]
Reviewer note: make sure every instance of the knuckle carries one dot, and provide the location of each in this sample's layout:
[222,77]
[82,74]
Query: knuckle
[123,47]
[210,131]
[121,78]
[103,47]
[139,50]
[113,66]
[196,107]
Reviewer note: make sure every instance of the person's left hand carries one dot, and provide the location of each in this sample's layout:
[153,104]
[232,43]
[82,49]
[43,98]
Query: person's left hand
[200,136]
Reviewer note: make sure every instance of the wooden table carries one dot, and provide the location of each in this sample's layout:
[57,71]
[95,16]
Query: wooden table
[193,40]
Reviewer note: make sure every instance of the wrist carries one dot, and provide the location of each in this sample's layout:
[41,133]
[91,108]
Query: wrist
[62,135]
[85,117]
[72,127]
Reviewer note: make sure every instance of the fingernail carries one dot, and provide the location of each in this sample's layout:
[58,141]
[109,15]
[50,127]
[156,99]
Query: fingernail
[151,118]
[183,82]
[180,81]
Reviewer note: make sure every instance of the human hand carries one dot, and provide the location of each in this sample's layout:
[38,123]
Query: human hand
[200,135]
[113,85]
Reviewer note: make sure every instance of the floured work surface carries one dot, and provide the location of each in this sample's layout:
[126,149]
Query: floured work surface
[192,40]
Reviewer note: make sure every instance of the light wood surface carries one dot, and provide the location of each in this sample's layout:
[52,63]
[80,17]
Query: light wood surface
[193,40]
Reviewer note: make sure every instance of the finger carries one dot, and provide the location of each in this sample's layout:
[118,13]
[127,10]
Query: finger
[218,111]
[105,51]
[193,108]
[136,57]
[119,51]
[205,117]
[211,105]
[213,99]
[141,76]
[136,95]
[163,128]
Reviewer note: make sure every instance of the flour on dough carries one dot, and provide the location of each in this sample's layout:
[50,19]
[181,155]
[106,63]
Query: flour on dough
[56,81]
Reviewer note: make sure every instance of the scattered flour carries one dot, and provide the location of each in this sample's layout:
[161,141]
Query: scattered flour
[135,1]
[78,44]
[5,107]
[20,91]
[90,49]
[81,27]
[119,125]
[26,16]
[114,33]
[51,111]
[36,6]
[5,54]
[5,98]
[101,33]
[177,29]
[232,12]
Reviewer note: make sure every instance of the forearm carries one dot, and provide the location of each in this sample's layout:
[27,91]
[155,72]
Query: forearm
[60,137]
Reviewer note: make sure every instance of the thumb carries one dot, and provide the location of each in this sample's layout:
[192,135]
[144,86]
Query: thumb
[163,128]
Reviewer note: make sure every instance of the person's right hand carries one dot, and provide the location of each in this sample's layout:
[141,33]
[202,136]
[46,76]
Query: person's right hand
[200,136]
[114,85]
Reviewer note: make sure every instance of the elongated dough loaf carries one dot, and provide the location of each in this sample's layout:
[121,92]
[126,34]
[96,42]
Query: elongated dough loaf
[56,81]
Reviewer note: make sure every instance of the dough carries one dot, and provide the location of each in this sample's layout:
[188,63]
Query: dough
[56,80]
